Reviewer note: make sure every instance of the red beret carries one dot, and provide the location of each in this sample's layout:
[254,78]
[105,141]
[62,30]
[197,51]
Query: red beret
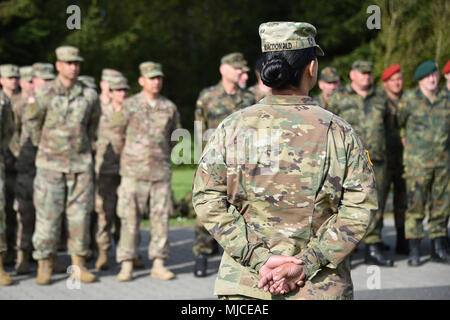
[446,67]
[389,71]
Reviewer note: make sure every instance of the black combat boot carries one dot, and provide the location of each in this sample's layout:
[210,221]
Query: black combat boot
[402,246]
[439,250]
[374,256]
[201,263]
[414,253]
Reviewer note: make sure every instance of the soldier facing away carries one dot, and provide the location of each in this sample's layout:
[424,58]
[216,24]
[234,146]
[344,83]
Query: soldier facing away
[146,123]
[301,207]
[359,104]
[424,113]
[213,105]
[63,123]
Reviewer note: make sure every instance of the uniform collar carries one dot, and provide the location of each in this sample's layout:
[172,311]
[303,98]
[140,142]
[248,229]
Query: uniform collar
[370,93]
[72,92]
[287,99]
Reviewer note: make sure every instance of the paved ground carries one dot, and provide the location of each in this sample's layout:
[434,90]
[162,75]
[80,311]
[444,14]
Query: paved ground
[430,281]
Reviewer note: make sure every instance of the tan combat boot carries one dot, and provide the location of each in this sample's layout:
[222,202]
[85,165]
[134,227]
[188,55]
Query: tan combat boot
[58,266]
[161,272]
[85,275]
[5,279]
[44,272]
[126,271]
[102,260]
[23,262]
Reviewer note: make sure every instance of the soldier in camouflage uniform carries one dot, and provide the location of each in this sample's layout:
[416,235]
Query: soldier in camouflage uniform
[42,74]
[393,84]
[259,89]
[6,129]
[146,123]
[9,80]
[366,112]
[26,81]
[213,105]
[424,113]
[107,75]
[309,191]
[63,122]
[329,81]
[107,165]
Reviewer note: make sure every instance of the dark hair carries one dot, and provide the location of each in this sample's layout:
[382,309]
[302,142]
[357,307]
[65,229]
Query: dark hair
[285,68]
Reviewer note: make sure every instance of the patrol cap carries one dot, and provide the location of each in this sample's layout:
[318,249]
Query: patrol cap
[151,69]
[68,53]
[108,74]
[235,59]
[26,73]
[362,66]
[43,70]
[9,71]
[329,74]
[446,68]
[281,36]
[119,83]
[424,69]
[88,81]
[389,71]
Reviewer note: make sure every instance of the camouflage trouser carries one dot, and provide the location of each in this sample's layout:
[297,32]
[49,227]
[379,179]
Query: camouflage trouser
[135,196]
[11,216]
[427,188]
[105,207]
[2,210]
[23,205]
[395,171]
[54,193]
[374,232]
[204,242]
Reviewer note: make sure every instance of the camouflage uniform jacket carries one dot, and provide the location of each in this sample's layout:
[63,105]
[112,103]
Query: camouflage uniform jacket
[63,123]
[393,141]
[368,116]
[146,137]
[107,156]
[14,145]
[6,127]
[427,130]
[214,104]
[257,92]
[316,203]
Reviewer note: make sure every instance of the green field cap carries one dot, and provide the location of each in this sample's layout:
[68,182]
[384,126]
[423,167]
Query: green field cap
[151,69]
[235,59]
[281,36]
[88,81]
[9,71]
[68,54]
[329,74]
[362,66]
[43,70]
[119,83]
[26,73]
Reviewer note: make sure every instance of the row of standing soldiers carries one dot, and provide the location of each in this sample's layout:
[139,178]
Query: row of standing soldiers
[58,127]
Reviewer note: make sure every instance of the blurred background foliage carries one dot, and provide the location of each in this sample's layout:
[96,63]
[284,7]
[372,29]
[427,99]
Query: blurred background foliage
[190,36]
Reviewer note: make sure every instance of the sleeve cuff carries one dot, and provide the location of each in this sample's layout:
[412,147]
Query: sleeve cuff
[259,257]
[312,262]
